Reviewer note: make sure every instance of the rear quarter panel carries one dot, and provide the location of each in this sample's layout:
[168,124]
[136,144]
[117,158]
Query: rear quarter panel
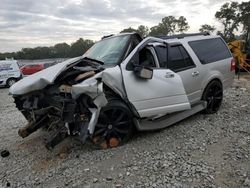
[215,70]
[218,70]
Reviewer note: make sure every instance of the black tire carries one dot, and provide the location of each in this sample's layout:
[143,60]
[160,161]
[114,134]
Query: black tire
[10,82]
[213,94]
[115,125]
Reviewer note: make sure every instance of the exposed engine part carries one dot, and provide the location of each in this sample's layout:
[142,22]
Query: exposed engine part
[84,76]
[65,89]
[32,127]
[57,137]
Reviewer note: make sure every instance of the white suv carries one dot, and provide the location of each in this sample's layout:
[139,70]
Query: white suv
[124,82]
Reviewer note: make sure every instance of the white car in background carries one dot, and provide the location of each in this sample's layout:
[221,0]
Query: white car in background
[9,72]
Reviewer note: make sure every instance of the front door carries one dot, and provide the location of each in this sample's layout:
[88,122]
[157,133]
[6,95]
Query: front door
[162,94]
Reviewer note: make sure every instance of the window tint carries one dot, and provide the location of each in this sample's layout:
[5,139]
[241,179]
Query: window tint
[179,59]
[186,57]
[210,50]
[161,52]
[146,58]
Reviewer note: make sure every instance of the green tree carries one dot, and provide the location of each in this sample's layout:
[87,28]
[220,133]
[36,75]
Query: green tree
[228,15]
[61,50]
[207,28]
[128,30]
[244,16]
[143,30]
[80,47]
[170,25]
[182,24]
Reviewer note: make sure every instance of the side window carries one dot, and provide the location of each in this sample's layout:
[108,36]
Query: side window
[186,57]
[146,58]
[210,50]
[179,59]
[161,52]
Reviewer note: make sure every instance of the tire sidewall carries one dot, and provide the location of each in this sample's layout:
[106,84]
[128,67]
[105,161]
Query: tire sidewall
[205,93]
[115,103]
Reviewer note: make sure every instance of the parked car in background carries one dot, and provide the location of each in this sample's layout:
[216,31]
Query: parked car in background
[9,72]
[31,68]
[123,82]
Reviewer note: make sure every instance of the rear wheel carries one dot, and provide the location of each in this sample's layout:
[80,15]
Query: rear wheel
[10,82]
[213,95]
[114,126]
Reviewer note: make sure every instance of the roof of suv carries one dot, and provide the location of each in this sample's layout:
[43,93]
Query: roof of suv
[172,38]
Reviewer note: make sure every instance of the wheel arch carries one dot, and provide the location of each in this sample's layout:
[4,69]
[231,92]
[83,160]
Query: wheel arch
[10,78]
[112,94]
[215,78]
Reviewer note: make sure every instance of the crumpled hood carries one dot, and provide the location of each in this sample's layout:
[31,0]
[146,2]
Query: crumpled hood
[40,79]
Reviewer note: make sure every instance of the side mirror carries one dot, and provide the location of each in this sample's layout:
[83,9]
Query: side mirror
[143,72]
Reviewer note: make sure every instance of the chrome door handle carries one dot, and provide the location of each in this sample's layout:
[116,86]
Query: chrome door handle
[196,73]
[169,75]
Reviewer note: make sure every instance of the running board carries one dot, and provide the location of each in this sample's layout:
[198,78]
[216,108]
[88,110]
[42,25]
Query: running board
[170,119]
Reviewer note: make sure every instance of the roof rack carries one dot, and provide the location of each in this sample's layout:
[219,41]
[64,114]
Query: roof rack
[179,36]
[107,36]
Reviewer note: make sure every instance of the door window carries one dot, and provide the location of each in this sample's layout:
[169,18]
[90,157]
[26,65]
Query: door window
[179,59]
[161,52]
[146,58]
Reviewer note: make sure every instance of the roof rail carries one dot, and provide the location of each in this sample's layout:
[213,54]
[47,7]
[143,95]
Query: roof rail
[107,36]
[179,36]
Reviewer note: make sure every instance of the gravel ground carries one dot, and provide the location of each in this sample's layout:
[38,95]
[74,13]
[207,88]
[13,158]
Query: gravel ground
[201,151]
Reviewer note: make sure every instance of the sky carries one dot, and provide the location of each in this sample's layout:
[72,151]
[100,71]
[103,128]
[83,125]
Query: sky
[31,23]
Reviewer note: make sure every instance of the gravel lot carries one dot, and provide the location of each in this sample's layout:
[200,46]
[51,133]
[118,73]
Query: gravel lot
[201,151]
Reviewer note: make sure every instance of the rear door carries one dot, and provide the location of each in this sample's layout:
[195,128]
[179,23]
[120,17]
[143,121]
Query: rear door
[162,94]
[181,63]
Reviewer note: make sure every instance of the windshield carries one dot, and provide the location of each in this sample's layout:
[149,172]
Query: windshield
[109,50]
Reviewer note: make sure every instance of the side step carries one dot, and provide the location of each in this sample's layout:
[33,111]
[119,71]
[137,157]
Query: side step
[169,119]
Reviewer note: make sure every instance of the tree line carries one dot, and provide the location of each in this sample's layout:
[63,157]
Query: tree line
[232,15]
[60,50]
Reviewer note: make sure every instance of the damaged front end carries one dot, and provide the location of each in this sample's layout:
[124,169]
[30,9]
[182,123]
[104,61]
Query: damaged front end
[70,105]
[83,96]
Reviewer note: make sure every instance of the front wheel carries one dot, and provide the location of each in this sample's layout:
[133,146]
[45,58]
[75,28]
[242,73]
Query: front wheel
[114,126]
[213,95]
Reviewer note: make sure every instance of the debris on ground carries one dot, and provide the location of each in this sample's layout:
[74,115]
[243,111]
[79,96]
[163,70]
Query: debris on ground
[5,153]
[201,151]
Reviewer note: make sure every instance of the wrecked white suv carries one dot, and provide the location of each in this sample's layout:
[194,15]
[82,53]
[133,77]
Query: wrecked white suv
[124,82]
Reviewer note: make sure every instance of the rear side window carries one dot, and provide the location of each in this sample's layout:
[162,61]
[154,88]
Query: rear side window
[179,59]
[210,50]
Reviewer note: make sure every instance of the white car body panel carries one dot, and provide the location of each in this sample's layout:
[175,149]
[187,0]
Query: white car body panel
[40,79]
[162,94]
[159,95]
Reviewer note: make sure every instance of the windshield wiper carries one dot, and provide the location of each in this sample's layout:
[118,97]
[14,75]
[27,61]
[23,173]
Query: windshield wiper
[95,60]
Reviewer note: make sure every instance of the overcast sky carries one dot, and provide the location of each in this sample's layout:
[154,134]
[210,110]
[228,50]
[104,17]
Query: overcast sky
[30,23]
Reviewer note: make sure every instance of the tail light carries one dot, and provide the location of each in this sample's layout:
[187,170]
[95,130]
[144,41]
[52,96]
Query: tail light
[233,65]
